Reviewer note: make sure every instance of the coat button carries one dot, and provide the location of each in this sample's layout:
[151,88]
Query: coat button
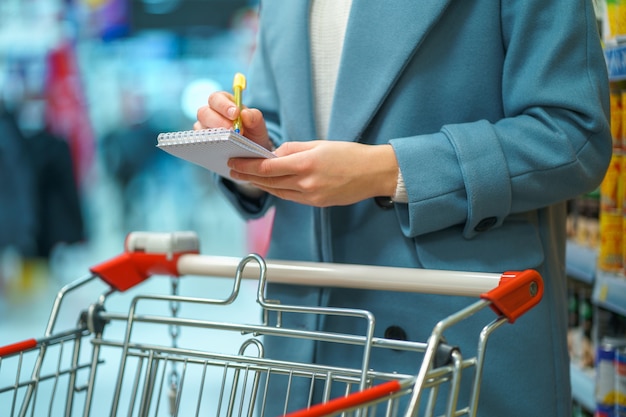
[395,333]
[486,224]
[384,202]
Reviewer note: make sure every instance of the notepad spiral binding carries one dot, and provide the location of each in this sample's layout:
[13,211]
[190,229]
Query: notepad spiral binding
[188,137]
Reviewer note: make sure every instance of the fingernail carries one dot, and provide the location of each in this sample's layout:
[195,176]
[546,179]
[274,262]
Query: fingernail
[231,112]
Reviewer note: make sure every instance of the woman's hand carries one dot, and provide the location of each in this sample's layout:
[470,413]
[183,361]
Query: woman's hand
[317,173]
[221,111]
[322,173]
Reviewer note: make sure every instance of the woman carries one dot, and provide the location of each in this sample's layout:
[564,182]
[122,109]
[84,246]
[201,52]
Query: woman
[453,132]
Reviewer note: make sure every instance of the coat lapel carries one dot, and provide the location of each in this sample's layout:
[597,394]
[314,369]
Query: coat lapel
[379,42]
[288,43]
[297,46]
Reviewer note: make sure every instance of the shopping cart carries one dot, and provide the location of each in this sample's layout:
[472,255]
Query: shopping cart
[114,362]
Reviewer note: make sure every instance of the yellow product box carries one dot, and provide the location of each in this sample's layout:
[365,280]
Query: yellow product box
[610,194]
[621,180]
[616,17]
[610,253]
[623,244]
[617,117]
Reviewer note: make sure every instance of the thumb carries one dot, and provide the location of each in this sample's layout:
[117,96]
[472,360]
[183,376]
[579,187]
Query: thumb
[289,148]
[254,127]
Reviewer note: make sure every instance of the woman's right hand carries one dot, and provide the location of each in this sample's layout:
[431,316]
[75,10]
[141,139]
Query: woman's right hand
[221,111]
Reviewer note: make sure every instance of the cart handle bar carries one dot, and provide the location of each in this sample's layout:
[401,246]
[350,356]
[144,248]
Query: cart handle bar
[511,294]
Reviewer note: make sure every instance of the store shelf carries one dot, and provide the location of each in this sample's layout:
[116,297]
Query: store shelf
[609,292]
[616,62]
[581,262]
[583,386]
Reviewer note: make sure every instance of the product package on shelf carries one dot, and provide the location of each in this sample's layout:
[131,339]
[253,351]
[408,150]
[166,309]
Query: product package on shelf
[610,391]
[612,250]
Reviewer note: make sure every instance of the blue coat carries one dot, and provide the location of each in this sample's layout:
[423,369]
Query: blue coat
[498,113]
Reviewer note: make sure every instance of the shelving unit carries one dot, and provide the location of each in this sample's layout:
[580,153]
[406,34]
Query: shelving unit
[581,266]
[609,292]
[583,386]
[581,263]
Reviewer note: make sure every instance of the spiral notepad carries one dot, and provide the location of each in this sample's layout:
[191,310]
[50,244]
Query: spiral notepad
[211,148]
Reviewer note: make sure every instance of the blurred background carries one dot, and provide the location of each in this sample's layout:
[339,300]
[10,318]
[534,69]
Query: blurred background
[85,87]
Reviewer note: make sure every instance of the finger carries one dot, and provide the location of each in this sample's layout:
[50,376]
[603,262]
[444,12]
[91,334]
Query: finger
[209,118]
[297,196]
[289,148]
[282,187]
[266,183]
[224,104]
[253,121]
[262,168]
[254,127]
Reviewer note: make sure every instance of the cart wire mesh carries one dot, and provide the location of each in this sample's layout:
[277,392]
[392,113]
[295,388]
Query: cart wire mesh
[133,353]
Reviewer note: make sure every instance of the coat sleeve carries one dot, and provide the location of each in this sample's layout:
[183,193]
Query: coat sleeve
[552,143]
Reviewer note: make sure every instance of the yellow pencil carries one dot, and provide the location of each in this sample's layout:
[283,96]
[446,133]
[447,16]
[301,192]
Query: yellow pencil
[239,84]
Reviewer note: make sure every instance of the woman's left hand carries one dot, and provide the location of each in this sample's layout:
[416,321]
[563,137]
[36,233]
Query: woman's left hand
[322,173]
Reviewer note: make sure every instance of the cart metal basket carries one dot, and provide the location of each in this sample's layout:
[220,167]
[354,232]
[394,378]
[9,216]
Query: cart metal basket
[211,362]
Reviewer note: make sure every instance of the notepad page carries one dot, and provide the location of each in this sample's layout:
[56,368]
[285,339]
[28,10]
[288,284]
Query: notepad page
[210,148]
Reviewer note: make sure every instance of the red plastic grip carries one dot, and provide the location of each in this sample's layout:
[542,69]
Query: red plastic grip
[131,268]
[517,293]
[17,347]
[350,401]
